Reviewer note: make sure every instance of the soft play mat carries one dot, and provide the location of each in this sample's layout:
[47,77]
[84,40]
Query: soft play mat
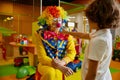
[6,70]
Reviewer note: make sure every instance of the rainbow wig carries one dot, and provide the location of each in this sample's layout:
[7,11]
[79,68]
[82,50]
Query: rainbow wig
[50,13]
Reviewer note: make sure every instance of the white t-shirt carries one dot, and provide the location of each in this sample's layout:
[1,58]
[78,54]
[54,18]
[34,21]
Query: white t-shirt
[99,49]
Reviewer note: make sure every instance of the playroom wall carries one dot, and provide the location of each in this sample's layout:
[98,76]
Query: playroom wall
[23,16]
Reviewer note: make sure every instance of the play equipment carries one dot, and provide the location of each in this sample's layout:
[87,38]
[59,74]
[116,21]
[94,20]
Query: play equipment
[116,55]
[75,65]
[3,51]
[35,76]
[116,49]
[116,52]
[2,47]
[19,61]
[23,50]
[24,71]
[6,31]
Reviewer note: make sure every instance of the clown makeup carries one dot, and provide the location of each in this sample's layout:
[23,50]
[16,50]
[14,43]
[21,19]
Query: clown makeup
[57,22]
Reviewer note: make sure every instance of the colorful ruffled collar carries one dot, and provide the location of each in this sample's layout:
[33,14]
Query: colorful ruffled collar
[53,35]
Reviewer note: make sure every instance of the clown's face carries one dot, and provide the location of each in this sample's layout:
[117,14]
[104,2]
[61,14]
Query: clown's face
[56,24]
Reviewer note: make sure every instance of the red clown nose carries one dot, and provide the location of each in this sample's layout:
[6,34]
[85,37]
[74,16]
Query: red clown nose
[58,25]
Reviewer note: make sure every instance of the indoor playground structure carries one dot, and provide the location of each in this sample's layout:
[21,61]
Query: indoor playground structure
[116,49]
[3,33]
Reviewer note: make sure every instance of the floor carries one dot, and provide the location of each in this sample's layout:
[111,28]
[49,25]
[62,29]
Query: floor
[114,64]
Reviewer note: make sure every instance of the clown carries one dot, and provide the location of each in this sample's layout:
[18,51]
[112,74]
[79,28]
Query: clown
[54,49]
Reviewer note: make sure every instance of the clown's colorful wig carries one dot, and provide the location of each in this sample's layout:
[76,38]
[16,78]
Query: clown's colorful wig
[50,13]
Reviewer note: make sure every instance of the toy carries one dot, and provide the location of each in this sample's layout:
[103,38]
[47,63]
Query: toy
[35,76]
[22,72]
[74,65]
[19,61]
[25,71]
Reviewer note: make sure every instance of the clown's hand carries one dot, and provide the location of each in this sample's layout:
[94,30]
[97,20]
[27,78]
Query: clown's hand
[66,70]
[56,62]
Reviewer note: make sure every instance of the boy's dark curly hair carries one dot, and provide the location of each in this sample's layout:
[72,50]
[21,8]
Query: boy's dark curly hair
[104,12]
